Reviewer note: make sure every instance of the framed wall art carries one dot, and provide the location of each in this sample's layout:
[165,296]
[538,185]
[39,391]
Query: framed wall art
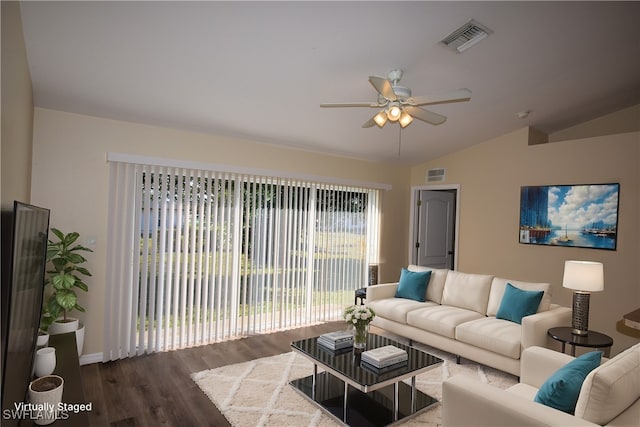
[583,216]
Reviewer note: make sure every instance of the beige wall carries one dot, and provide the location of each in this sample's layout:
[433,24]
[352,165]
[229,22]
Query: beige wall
[16,109]
[490,176]
[70,177]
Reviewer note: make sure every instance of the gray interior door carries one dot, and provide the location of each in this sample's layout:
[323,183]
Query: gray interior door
[435,228]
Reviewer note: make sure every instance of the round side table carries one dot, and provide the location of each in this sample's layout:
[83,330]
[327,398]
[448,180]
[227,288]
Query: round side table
[592,339]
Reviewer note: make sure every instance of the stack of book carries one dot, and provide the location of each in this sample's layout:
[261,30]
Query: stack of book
[336,340]
[384,357]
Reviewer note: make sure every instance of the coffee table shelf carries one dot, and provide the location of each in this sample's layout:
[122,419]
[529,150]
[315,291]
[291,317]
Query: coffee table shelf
[357,396]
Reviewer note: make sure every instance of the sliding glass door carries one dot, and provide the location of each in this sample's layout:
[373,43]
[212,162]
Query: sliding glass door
[202,256]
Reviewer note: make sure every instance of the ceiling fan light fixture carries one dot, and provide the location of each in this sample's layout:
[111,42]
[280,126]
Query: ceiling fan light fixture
[380,118]
[405,119]
[394,112]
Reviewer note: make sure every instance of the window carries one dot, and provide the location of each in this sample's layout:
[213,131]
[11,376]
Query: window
[200,256]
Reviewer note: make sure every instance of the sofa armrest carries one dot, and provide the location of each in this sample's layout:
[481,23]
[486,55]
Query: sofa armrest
[469,402]
[538,363]
[382,291]
[535,327]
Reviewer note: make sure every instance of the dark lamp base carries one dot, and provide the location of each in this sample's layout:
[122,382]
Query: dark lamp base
[580,318]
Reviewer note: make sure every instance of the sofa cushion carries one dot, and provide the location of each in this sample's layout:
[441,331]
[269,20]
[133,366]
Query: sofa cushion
[611,388]
[440,319]
[436,282]
[396,309]
[413,285]
[562,388]
[517,303]
[470,291]
[497,291]
[496,335]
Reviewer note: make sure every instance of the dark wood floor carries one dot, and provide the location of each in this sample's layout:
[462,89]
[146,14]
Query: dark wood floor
[157,389]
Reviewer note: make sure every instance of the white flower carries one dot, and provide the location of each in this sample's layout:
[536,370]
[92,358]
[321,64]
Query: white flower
[358,314]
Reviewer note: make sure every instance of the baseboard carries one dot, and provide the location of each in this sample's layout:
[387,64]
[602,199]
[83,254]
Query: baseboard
[87,359]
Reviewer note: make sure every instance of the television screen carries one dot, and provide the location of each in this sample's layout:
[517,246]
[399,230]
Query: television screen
[24,246]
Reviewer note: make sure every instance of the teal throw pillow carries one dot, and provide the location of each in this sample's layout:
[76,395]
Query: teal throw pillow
[517,303]
[562,388]
[413,285]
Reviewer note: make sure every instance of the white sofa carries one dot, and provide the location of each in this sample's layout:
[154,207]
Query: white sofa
[458,317]
[609,396]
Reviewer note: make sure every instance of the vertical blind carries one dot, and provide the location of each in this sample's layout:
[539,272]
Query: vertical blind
[198,256]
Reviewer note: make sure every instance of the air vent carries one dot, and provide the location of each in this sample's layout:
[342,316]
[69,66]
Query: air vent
[466,36]
[435,175]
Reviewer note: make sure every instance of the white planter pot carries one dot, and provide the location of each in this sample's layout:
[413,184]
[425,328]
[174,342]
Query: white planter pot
[80,337]
[45,361]
[43,339]
[46,393]
[72,325]
[61,327]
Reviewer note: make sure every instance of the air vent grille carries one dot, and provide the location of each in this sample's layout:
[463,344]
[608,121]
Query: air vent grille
[466,36]
[435,175]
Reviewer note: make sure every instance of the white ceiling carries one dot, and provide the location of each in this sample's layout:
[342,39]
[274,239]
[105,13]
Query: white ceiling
[260,70]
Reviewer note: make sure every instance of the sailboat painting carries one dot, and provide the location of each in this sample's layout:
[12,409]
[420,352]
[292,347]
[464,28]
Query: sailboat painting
[583,216]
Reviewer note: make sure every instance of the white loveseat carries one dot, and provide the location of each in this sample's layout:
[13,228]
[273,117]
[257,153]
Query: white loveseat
[609,396]
[459,317]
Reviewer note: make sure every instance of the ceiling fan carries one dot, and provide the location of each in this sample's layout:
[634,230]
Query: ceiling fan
[397,104]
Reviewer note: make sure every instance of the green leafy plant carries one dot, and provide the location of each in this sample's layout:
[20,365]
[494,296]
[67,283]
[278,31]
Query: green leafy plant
[64,274]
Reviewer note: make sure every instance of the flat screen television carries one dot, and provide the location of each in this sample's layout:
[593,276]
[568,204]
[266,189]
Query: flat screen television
[25,230]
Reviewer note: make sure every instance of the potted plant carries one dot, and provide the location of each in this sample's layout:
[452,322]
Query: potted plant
[64,275]
[45,394]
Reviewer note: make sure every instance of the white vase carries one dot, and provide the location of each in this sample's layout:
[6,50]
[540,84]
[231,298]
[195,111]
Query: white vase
[45,361]
[43,339]
[45,393]
[61,327]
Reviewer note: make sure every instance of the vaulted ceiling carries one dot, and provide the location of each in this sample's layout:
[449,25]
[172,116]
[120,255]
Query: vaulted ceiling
[260,70]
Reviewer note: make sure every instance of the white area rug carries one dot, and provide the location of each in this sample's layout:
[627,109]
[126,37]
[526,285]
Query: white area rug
[257,393]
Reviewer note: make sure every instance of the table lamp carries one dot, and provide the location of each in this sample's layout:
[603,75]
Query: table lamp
[583,277]
[373,274]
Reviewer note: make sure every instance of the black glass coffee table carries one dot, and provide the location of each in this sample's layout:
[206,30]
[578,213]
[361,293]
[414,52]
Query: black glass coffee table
[360,396]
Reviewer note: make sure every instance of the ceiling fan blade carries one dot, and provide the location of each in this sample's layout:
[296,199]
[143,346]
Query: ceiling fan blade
[459,95]
[351,104]
[425,116]
[384,88]
[379,119]
[369,123]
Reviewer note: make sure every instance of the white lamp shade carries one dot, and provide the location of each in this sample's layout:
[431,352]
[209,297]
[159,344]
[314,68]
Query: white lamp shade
[587,276]
[405,119]
[380,118]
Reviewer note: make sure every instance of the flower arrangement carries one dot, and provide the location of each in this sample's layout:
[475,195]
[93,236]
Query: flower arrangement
[359,316]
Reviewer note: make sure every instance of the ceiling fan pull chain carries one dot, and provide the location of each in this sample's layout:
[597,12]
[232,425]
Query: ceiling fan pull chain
[399,141]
